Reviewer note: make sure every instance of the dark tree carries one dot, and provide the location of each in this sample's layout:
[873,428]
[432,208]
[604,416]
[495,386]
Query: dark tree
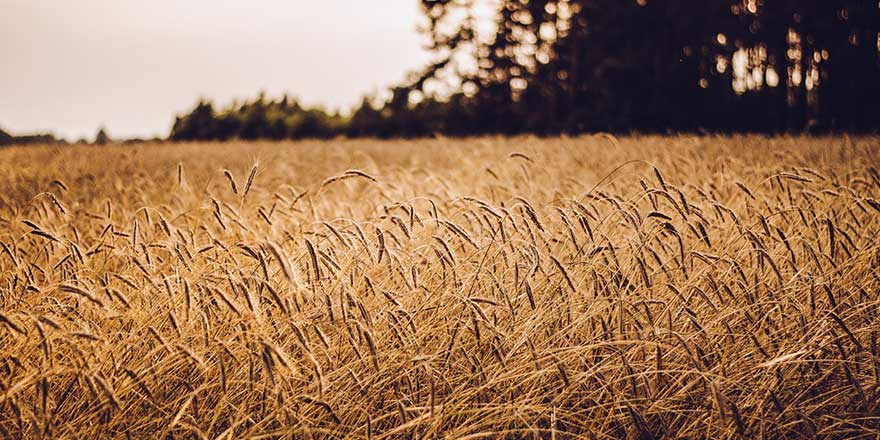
[102,138]
[5,138]
[570,66]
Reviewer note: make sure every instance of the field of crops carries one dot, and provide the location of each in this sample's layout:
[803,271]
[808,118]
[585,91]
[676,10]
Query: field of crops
[591,287]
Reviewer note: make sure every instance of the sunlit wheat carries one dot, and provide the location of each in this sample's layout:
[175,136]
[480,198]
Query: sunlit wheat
[593,287]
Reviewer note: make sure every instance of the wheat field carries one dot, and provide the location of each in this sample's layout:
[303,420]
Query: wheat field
[585,287]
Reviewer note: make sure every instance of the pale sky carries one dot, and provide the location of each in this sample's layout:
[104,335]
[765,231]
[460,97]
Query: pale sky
[70,66]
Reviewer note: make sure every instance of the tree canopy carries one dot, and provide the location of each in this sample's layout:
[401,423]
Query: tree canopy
[569,66]
[651,65]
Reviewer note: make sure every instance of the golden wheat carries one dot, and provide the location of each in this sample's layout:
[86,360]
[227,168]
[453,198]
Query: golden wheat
[591,287]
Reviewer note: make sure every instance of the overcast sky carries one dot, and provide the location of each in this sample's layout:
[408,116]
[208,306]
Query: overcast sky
[70,66]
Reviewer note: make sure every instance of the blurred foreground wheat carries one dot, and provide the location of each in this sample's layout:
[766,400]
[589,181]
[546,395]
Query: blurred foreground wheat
[585,287]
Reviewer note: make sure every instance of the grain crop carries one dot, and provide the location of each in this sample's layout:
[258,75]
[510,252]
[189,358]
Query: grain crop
[574,287]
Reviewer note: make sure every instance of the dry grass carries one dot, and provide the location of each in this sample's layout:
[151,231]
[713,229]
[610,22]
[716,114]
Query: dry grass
[588,287]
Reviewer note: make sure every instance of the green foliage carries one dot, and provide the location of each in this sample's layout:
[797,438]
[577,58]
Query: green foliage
[257,119]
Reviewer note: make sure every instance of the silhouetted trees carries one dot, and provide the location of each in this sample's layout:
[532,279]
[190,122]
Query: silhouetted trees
[27,139]
[5,138]
[652,65]
[554,66]
[102,138]
[570,66]
[258,119]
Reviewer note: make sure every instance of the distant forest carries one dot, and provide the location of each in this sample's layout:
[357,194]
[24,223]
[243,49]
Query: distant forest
[41,138]
[571,66]
[609,65]
[101,138]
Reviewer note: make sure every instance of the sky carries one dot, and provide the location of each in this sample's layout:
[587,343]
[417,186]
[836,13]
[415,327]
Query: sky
[69,67]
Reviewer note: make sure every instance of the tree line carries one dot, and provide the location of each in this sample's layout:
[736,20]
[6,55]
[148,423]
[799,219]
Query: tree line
[101,138]
[656,65]
[40,138]
[569,66]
